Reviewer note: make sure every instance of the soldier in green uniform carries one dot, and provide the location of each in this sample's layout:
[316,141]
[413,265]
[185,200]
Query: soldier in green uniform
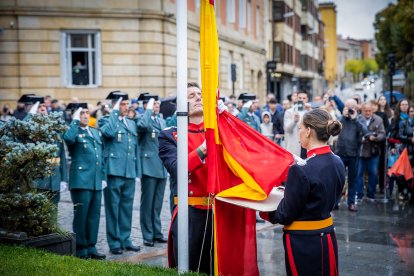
[154,175]
[86,180]
[247,114]
[57,182]
[122,166]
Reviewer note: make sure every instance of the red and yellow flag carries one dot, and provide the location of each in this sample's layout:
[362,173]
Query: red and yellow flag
[241,162]
[402,166]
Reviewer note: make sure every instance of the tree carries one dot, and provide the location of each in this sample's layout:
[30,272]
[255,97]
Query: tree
[394,32]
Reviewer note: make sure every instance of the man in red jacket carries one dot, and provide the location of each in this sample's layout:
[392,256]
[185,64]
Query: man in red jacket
[201,254]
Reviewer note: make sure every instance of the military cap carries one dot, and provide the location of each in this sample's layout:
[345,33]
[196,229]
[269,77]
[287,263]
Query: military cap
[75,106]
[115,95]
[25,99]
[247,97]
[146,96]
[33,99]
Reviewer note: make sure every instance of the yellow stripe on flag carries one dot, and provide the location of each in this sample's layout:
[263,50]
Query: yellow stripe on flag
[249,189]
[209,57]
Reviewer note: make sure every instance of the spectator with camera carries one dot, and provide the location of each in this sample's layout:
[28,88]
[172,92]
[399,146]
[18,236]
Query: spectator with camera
[348,145]
[374,133]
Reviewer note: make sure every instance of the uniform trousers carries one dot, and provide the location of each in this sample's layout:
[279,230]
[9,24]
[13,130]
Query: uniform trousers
[152,196]
[86,216]
[200,223]
[119,200]
[311,253]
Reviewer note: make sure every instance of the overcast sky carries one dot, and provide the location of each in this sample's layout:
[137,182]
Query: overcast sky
[355,18]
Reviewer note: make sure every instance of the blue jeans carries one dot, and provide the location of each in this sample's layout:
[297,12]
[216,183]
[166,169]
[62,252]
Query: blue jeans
[371,165]
[352,164]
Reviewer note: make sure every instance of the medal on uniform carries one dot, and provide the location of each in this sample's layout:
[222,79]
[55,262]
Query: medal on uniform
[153,134]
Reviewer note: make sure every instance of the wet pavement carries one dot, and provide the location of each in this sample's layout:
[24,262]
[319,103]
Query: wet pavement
[376,240]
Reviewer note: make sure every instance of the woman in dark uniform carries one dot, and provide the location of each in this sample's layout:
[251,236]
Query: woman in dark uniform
[312,189]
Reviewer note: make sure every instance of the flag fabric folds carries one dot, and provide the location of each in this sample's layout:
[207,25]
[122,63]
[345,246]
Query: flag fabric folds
[402,167]
[241,162]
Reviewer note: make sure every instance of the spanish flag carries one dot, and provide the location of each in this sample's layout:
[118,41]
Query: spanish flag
[242,164]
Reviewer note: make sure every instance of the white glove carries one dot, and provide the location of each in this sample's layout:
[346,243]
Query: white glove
[76,115]
[104,184]
[150,104]
[204,145]
[221,106]
[34,108]
[118,102]
[248,104]
[63,186]
[137,180]
[299,160]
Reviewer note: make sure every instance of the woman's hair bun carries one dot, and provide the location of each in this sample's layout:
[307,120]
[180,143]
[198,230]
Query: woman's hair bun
[333,127]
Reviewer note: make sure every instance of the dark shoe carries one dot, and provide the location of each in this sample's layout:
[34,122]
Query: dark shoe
[370,199]
[161,240]
[84,257]
[133,248]
[336,207]
[149,243]
[116,251]
[352,208]
[98,256]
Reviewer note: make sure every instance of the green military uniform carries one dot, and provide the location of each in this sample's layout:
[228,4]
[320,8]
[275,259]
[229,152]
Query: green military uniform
[51,184]
[122,166]
[249,118]
[85,184]
[154,176]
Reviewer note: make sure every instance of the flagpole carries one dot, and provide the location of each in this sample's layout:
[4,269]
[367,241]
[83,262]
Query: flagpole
[182,130]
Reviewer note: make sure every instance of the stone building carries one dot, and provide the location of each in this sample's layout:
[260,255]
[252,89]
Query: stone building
[85,49]
[296,52]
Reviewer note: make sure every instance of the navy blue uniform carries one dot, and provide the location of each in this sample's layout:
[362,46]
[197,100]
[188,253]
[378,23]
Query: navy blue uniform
[311,192]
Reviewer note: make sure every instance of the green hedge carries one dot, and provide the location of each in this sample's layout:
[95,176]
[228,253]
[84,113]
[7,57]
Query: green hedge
[16,260]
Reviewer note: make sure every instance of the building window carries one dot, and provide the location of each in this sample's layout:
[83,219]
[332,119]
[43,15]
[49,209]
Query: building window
[231,11]
[81,58]
[242,14]
[276,51]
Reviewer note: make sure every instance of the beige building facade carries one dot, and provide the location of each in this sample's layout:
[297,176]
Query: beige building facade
[85,49]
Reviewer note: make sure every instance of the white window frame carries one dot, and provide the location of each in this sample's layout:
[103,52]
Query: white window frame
[242,14]
[231,11]
[66,58]
[241,65]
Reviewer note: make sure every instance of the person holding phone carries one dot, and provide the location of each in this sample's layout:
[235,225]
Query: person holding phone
[348,145]
[291,122]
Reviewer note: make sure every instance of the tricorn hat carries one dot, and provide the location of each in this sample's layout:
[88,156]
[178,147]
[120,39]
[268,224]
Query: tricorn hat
[115,95]
[247,97]
[75,106]
[33,99]
[25,99]
[146,96]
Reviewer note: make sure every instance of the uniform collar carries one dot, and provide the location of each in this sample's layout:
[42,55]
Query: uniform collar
[196,127]
[319,150]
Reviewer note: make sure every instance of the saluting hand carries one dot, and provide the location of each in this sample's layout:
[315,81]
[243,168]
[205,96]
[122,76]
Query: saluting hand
[150,104]
[34,108]
[76,115]
[118,102]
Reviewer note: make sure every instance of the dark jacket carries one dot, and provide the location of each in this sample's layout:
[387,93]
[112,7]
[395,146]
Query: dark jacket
[350,139]
[376,127]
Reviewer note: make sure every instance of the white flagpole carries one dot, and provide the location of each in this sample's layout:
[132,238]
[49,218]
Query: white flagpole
[182,142]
